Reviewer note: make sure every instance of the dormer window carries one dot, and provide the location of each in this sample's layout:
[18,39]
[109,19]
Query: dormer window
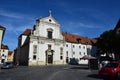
[49,33]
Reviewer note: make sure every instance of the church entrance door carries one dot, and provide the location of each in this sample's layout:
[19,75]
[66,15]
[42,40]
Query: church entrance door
[50,59]
[49,56]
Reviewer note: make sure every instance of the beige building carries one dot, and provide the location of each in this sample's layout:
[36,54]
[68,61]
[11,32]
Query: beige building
[10,56]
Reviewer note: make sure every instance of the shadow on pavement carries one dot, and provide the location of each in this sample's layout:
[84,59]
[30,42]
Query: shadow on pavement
[76,67]
[94,76]
[80,67]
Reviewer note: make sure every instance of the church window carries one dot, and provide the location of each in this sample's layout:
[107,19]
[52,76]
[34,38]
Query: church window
[61,51]
[34,57]
[67,53]
[61,57]
[50,20]
[34,49]
[49,47]
[49,34]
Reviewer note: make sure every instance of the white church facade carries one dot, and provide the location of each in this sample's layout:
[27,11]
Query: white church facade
[47,45]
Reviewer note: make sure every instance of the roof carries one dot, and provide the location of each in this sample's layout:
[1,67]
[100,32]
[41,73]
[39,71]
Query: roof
[27,32]
[10,53]
[4,47]
[78,39]
[1,27]
[117,26]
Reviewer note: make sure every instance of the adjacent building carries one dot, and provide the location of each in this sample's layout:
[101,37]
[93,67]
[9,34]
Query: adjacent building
[78,46]
[3,48]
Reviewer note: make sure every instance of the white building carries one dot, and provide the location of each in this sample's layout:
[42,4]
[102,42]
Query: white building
[46,44]
[4,54]
[3,48]
[79,46]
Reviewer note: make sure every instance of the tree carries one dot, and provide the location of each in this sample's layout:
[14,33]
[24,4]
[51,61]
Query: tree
[104,43]
[108,42]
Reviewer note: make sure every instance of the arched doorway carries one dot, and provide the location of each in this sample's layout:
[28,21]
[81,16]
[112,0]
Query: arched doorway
[49,56]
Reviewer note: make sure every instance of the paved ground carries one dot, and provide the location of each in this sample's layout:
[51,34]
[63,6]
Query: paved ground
[49,73]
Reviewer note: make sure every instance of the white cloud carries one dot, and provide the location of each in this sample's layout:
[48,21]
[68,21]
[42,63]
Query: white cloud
[9,14]
[15,15]
[82,25]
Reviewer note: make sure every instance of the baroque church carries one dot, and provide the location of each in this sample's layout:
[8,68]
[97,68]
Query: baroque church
[46,44]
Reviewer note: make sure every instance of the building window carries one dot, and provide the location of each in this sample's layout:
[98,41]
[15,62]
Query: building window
[84,53]
[61,57]
[34,57]
[79,46]
[34,49]
[66,45]
[83,47]
[50,20]
[49,33]
[67,53]
[80,53]
[49,47]
[73,53]
[73,46]
[61,51]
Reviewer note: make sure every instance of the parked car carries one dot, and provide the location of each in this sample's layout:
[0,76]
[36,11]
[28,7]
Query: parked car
[111,69]
[7,65]
[73,61]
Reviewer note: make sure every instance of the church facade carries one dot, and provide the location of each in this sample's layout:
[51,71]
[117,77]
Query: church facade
[46,44]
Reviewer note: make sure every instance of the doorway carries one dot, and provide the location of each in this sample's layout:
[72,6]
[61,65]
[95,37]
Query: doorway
[50,59]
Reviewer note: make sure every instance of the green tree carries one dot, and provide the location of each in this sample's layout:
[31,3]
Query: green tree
[105,42]
[109,42]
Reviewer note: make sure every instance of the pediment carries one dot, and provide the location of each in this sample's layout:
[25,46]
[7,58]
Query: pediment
[50,19]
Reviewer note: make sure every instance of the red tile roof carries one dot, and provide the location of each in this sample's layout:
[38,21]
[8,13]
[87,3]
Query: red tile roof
[27,32]
[10,52]
[78,39]
[4,47]
[70,38]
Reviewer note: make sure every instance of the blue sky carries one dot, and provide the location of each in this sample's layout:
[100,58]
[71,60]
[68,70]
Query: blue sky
[88,18]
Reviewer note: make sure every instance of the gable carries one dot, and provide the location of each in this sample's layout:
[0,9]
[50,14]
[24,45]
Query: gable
[49,19]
